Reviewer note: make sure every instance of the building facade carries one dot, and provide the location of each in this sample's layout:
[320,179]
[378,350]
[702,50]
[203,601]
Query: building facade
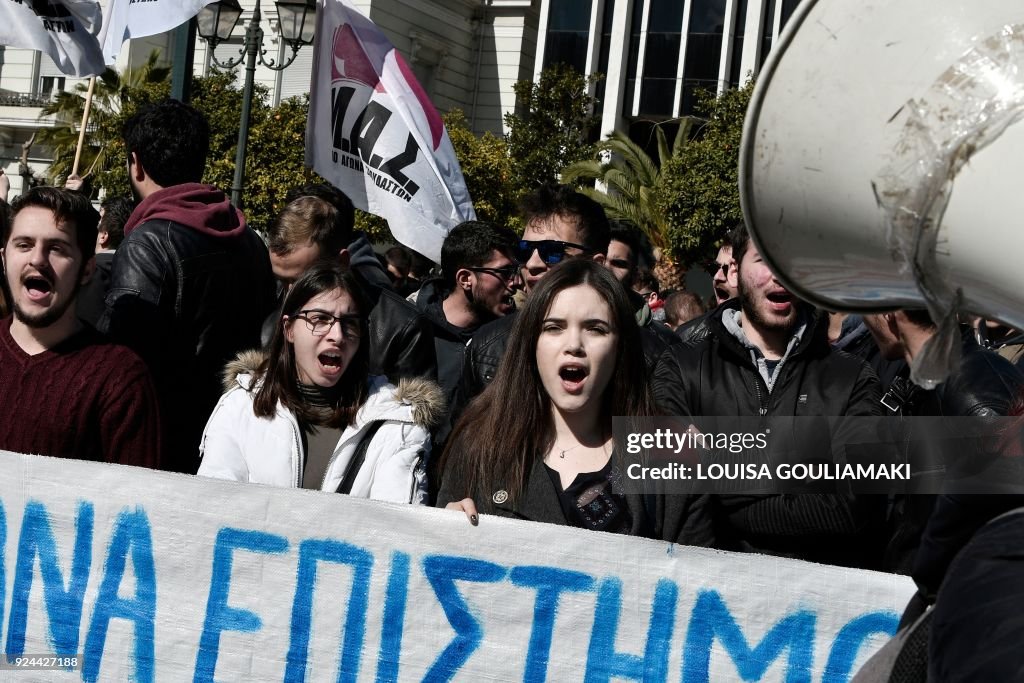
[654,54]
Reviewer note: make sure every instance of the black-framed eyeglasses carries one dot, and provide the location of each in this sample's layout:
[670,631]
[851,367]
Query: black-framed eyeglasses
[620,263]
[551,251]
[321,322]
[506,273]
[712,268]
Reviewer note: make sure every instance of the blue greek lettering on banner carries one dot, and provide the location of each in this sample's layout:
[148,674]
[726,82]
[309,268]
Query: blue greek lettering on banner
[219,616]
[131,534]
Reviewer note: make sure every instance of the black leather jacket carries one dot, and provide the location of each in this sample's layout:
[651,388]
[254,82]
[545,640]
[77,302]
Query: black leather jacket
[401,339]
[187,302]
[984,385]
[715,376]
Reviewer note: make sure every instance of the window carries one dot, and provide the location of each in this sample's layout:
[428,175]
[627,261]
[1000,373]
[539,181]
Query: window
[51,79]
[736,58]
[633,58]
[766,32]
[603,53]
[568,34]
[661,57]
[50,85]
[703,50]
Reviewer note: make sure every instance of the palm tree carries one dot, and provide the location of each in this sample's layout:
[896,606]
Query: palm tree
[630,176]
[110,95]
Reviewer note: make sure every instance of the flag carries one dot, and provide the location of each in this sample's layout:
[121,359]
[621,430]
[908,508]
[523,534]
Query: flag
[126,19]
[65,30]
[374,134]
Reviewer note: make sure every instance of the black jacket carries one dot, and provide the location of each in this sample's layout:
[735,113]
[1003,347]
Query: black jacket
[984,385]
[401,339]
[449,341]
[90,304]
[715,376]
[683,519]
[187,301]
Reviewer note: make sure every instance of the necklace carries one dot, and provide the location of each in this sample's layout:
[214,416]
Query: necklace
[562,456]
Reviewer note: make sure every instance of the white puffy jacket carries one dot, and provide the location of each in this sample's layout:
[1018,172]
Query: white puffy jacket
[240,446]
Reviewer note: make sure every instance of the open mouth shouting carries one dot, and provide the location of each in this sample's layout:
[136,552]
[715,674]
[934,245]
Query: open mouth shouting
[780,301]
[38,288]
[573,377]
[332,364]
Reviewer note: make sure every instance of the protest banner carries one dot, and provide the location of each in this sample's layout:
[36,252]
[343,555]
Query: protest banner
[150,576]
[374,133]
[65,30]
[125,19]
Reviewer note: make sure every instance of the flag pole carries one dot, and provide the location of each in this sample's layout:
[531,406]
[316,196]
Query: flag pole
[85,122]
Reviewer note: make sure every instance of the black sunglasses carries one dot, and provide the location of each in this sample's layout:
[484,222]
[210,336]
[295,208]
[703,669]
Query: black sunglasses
[551,251]
[506,274]
[712,268]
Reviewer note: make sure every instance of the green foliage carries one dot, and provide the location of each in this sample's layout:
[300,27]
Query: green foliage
[699,191]
[219,98]
[116,96]
[487,168]
[550,127]
[632,179]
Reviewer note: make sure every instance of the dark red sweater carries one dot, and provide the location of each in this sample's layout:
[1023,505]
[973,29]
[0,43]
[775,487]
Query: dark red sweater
[85,399]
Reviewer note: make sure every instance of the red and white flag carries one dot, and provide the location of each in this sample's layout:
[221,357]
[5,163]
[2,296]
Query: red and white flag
[375,135]
[66,30]
[125,19]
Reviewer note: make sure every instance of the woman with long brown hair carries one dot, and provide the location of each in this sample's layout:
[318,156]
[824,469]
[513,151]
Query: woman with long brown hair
[537,443]
[306,413]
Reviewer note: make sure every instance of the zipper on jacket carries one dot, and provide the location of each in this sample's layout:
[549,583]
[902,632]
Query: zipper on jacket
[758,381]
[299,457]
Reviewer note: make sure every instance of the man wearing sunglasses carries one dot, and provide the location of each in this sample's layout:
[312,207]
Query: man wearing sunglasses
[560,224]
[719,271]
[479,279]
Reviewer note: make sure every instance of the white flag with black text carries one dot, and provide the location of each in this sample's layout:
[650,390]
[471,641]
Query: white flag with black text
[66,30]
[373,133]
[126,19]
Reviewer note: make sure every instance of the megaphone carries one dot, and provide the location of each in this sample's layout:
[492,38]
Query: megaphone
[882,153]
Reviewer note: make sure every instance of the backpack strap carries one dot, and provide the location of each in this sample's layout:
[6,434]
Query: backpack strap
[358,458]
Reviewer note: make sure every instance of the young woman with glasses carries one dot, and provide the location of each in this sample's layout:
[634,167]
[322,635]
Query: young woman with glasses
[306,413]
[537,444]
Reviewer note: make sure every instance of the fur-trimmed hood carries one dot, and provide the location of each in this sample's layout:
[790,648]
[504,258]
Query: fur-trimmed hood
[424,396]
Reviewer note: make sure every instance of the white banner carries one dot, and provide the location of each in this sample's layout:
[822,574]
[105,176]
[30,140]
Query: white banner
[374,133]
[128,574]
[66,30]
[125,19]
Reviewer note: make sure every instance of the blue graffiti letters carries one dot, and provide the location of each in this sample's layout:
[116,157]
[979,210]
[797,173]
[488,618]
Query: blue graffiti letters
[310,553]
[443,571]
[550,584]
[131,533]
[63,605]
[711,619]
[220,617]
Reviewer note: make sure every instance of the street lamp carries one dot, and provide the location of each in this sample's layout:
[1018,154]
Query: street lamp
[215,23]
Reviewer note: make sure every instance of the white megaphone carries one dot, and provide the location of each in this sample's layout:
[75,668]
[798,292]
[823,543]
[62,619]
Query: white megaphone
[882,155]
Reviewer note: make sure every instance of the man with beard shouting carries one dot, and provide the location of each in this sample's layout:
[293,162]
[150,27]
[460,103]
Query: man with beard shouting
[767,354]
[64,391]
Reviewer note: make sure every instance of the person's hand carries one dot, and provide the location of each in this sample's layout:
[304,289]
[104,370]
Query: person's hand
[74,182]
[468,506]
[5,185]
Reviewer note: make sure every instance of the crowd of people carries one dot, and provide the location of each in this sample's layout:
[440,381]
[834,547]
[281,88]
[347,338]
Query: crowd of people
[168,334]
